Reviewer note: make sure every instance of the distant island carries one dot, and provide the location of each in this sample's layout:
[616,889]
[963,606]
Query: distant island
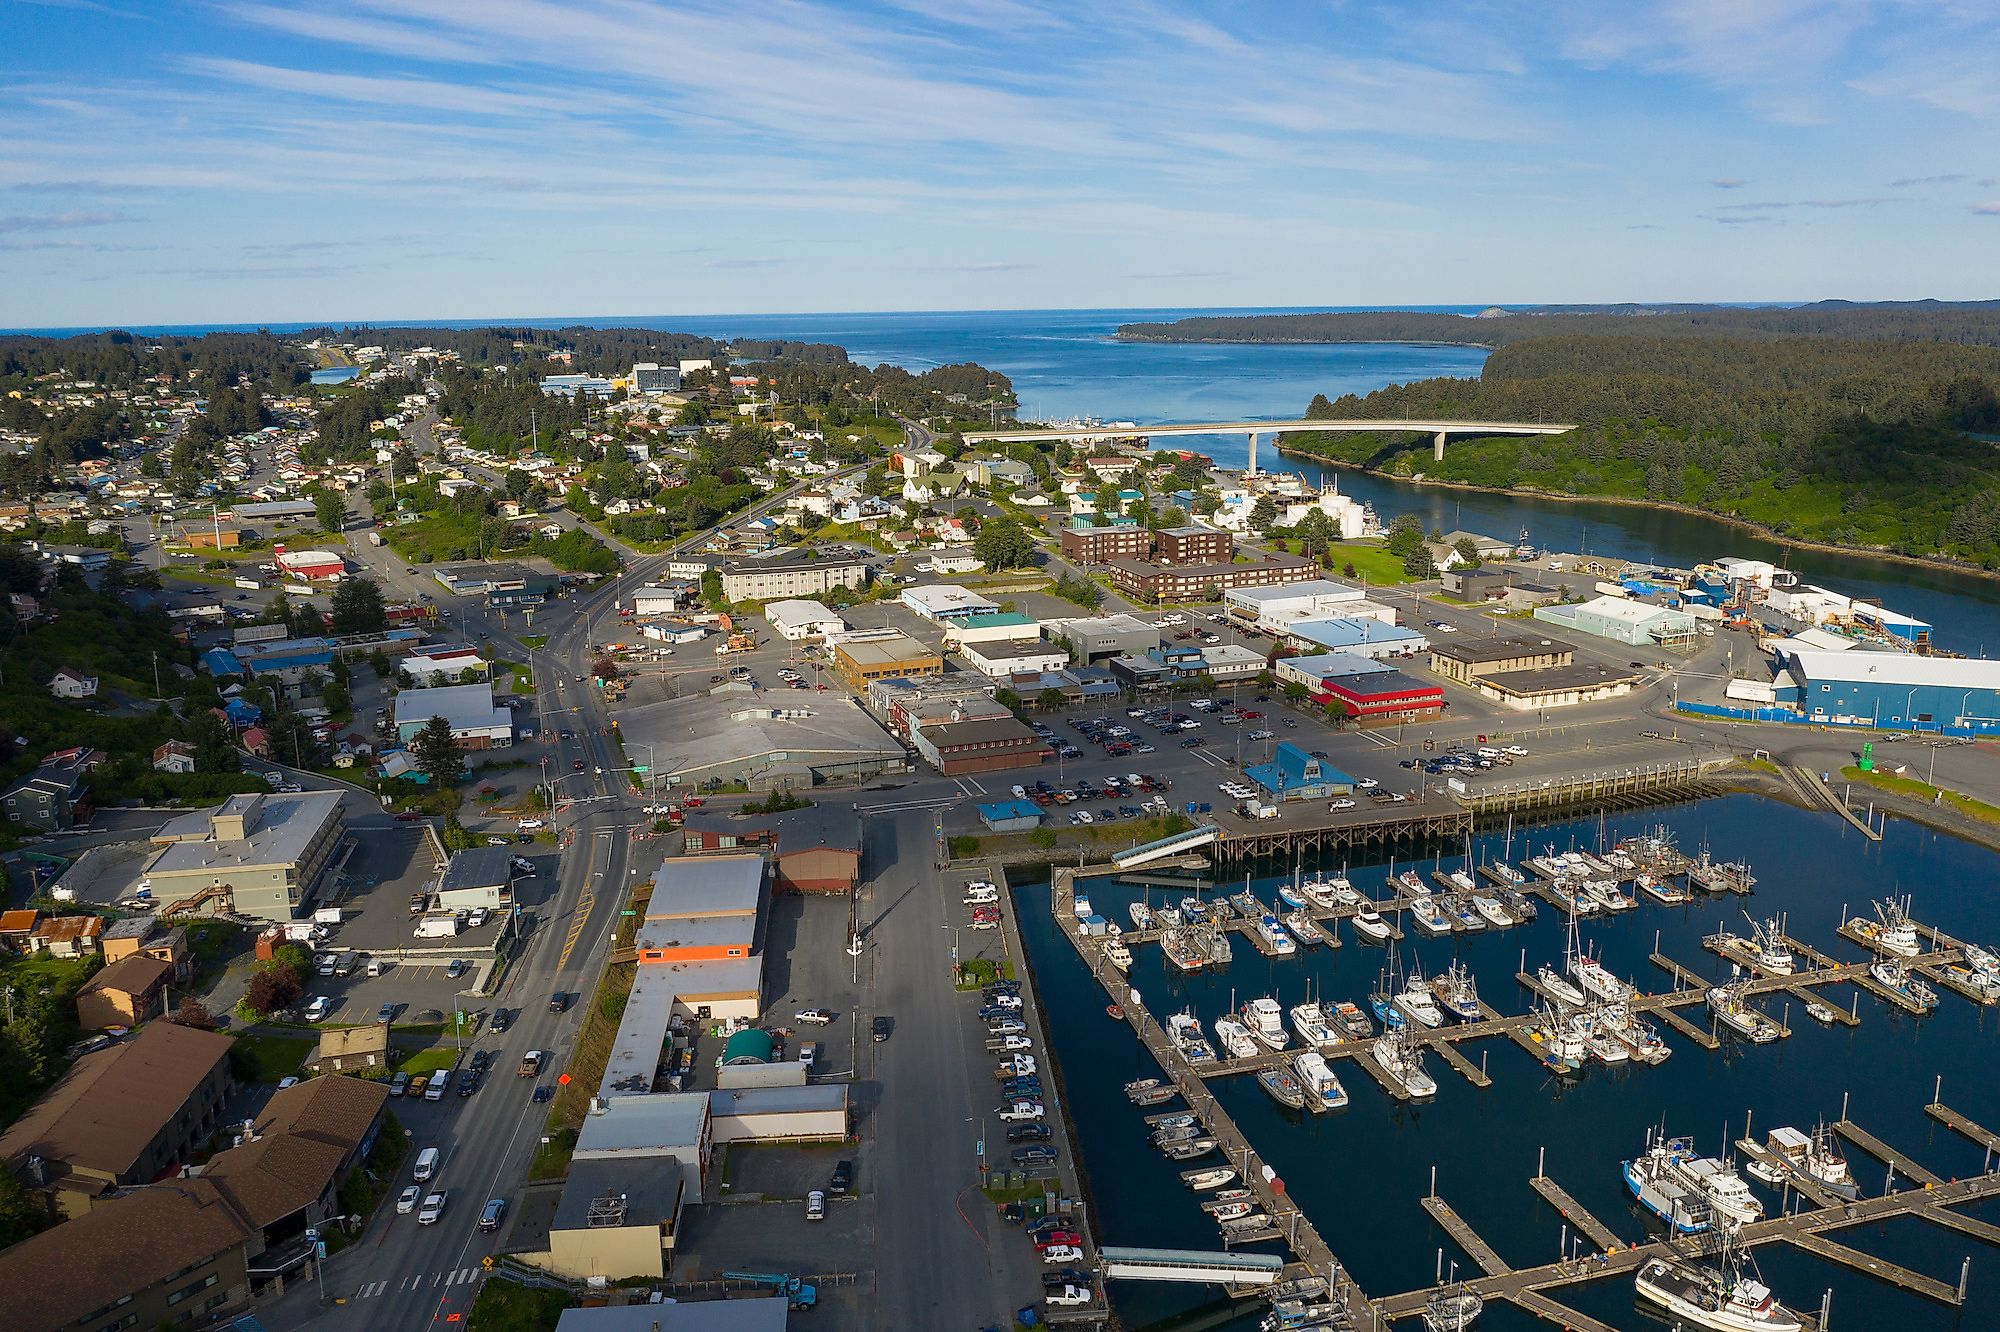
[1865,426]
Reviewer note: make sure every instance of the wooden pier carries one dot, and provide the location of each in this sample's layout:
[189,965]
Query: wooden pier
[1562,1315]
[1574,1212]
[1473,1073]
[1466,1237]
[1819,1246]
[1884,1153]
[1951,1119]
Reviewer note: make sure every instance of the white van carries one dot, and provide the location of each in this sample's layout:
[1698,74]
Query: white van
[440,1080]
[427,1165]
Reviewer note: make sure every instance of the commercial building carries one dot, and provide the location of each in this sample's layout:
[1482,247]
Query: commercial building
[1231,661]
[702,910]
[1893,689]
[987,744]
[786,575]
[312,566]
[125,993]
[812,850]
[944,602]
[1192,545]
[1382,698]
[126,1114]
[476,721]
[1273,609]
[1101,637]
[1467,657]
[618,1220]
[1313,672]
[429,667]
[811,1112]
[1000,659]
[258,855]
[1556,686]
[1635,623]
[803,621]
[504,585]
[570,386]
[652,377]
[664,598]
[1476,583]
[270,511]
[998,627]
[766,746]
[1294,774]
[883,656]
[906,703]
[1082,541]
[1361,637]
[1155,583]
[478,877]
[1007,816]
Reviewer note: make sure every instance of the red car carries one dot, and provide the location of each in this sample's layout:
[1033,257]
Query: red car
[576,765]
[1249,714]
[692,802]
[1050,1238]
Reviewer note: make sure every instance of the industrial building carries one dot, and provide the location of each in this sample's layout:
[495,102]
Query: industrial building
[985,744]
[1101,637]
[1022,656]
[1893,689]
[812,850]
[259,855]
[944,602]
[803,621]
[808,739]
[1000,626]
[1622,620]
[882,656]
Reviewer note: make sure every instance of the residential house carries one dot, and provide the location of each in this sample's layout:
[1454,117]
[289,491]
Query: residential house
[360,1050]
[125,993]
[54,796]
[67,936]
[67,683]
[141,936]
[176,756]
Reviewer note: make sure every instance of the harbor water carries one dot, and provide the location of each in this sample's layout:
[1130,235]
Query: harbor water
[1359,1173]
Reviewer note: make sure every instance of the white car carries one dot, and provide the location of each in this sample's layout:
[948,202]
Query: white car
[1260,735]
[406,1201]
[1444,628]
[433,1208]
[1342,803]
[1083,816]
[1517,751]
[532,825]
[1365,783]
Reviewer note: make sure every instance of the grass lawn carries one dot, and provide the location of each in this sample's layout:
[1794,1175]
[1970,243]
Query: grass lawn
[429,1061]
[33,974]
[1372,563]
[1916,790]
[534,640]
[277,1056]
[503,1306]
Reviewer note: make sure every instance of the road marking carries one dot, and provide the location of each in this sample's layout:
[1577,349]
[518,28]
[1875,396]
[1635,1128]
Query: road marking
[970,787]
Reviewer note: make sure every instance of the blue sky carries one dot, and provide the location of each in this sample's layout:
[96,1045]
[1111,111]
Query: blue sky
[246,160]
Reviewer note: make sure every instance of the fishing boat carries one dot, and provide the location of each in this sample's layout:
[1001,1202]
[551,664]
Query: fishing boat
[1251,1223]
[1306,1287]
[1408,881]
[1323,1090]
[1571,897]
[1890,931]
[1560,1041]
[1594,978]
[1521,907]
[1157,1096]
[1664,891]
[1304,929]
[1210,1177]
[1352,1022]
[1081,906]
[1506,873]
[1141,1087]
[1229,1211]
[1456,993]
[1725,1300]
[1275,936]
[1368,924]
[1416,1002]
[1979,959]
[1317,892]
[1607,894]
[1895,976]
[1764,948]
[1642,1038]
[1282,1087]
[1464,916]
[1142,916]
[1185,1029]
[1817,1156]
[1552,981]
[1718,1184]
[1403,1064]
[1184,950]
[1382,999]
[1452,1310]
[1342,890]
[1237,1042]
[1741,1016]
[1720,876]
[1291,897]
[1428,916]
[1169,916]
[1604,1047]
[1181,1125]
[1118,954]
[1309,1021]
[1190,1150]
[1823,1013]
[1982,986]
[1247,905]
[1491,911]
[1651,1178]
[1266,1021]
[1296,1315]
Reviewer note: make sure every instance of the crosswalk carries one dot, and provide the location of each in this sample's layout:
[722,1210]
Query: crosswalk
[418,1281]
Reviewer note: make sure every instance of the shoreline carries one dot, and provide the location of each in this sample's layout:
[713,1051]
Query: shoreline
[1664,506]
[1117,336]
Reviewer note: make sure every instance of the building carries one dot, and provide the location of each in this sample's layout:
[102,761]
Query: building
[570,386]
[944,602]
[664,598]
[478,877]
[476,721]
[1483,547]
[812,850]
[66,683]
[1361,637]
[786,575]
[125,993]
[175,756]
[986,744]
[1231,661]
[1000,626]
[1193,545]
[652,377]
[210,536]
[126,1114]
[1467,657]
[68,936]
[1622,620]
[702,910]
[433,666]
[1382,698]
[619,1220]
[271,511]
[883,656]
[1083,541]
[158,1257]
[259,855]
[359,1050]
[1274,609]
[52,797]
[1022,656]
[800,1112]
[1294,774]
[1006,816]
[1556,686]
[310,566]
[797,739]
[1100,637]
[1141,673]
[1314,671]
[1477,583]
[141,936]
[1198,582]
[1893,689]
[803,621]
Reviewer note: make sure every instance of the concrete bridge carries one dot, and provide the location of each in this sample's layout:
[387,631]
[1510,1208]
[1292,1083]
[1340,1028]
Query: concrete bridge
[1438,430]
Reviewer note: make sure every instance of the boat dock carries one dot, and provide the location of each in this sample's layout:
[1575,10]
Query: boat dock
[1574,1212]
[1883,1152]
[1951,1119]
[1819,1246]
[1466,1237]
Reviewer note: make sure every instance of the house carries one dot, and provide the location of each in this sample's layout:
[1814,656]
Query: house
[52,797]
[283,1176]
[16,926]
[67,683]
[126,1114]
[257,741]
[803,621]
[176,756]
[67,936]
[141,936]
[361,1049]
[125,993]
[443,665]
[476,721]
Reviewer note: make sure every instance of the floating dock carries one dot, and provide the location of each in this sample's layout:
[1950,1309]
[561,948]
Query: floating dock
[1465,1236]
[1579,1217]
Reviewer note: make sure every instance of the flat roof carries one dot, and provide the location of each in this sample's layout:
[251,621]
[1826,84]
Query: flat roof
[1339,631]
[698,932]
[761,1314]
[463,706]
[284,826]
[1332,665]
[1498,647]
[980,730]
[806,1098]
[643,1125]
[884,651]
[1625,609]
[478,867]
[1898,668]
[652,1192]
[1309,589]
[995,620]
[706,886]
[1549,679]
[941,597]
[799,611]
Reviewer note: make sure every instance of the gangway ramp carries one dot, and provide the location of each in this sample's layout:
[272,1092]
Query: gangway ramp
[1176,844]
[1192,1265]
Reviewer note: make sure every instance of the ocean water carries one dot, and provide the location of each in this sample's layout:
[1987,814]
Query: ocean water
[1361,1172]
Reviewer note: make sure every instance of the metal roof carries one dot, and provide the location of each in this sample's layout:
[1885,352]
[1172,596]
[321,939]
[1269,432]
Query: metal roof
[1897,668]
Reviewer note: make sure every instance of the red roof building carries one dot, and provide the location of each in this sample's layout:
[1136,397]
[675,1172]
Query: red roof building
[1382,698]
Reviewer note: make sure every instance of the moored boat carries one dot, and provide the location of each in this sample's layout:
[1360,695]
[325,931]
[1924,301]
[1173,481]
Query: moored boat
[1428,916]
[1403,1064]
[1453,1310]
[1717,1184]
[1553,982]
[1304,929]
[1651,1179]
[1118,954]
[1741,1016]
[1142,916]
[1521,906]
[1817,1156]
[1560,1042]
[1322,1089]
[1237,1042]
[1282,1087]
[1309,1021]
[1726,1301]
[1352,1022]
[1184,950]
[1266,1021]
[1664,891]
[1211,1177]
[1890,931]
[1491,911]
[1416,1002]
[1895,976]
[1368,924]
[1185,1030]
[1277,939]
[1594,978]
[1456,992]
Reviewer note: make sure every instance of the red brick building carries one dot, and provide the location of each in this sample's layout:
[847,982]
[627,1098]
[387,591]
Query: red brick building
[1083,544]
[987,744]
[1193,545]
[1382,698]
[1158,582]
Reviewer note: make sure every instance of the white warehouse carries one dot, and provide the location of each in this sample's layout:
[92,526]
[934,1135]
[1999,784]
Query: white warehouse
[803,621]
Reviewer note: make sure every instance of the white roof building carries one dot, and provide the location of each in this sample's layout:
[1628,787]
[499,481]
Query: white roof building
[947,601]
[803,621]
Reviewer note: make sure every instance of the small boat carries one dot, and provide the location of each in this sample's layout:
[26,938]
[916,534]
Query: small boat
[1569,895]
[1228,1211]
[1249,1224]
[1275,936]
[1292,898]
[1081,906]
[1640,1037]
[1561,1041]
[1506,873]
[1605,893]
[1890,931]
[1170,917]
[1408,881]
[1157,1096]
[1297,1288]
[1718,1184]
[1664,891]
[1323,1090]
[1185,1029]
[1304,929]
[1416,1002]
[1266,1022]
[1521,907]
[1403,1064]
[1237,1042]
[1228,1196]
[1725,1300]
[1184,949]
[1353,1023]
[1282,1087]
[1142,916]
[1741,1016]
[1428,916]
[1368,923]
[1491,911]
[1464,916]
[1895,976]
[1185,1124]
[1309,1021]
[1982,986]
[1142,1087]
[1247,905]
[1824,1014]
[1605,1048]
[1553,982]
[1167,1135]
[1452,1310]
[1118,954]
[1297,1315]
[1317,892]
[1651,1179]
[1456,993]
[1979,959]
[1816,1156]
[1116,1012]
[1189,1150]
[1343,892]
[1210,1177]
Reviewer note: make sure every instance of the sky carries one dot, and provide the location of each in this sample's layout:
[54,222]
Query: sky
[212,161]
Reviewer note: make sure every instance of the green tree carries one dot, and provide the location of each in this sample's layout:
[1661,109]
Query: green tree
[1263,514]
[1003,543]
[214,742]
[1050,699]
[436,752]
[359,607]
[1419,563]
[1468,550]
[1295,692]
[1405,534]
[1007,699]
[1315,532]
[21,1214]
[330,508]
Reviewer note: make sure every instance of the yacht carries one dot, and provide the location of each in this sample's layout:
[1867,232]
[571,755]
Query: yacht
[1491,911]
[1117,954]
[1304,929]
[1553,982]
[1142,916]
[1897,977]
[1456,993]
[1282,1087]
[1416,1002]
[1317,892]
[1352,1022]
[1368,923]
[1266,1022]
[1309,1021]
[1408,881]
[1461,881]
[1343,892]
[1571,897]
[1891,930]
[1323,1090]
[1593,977]
[1237,1042]
[1605,893]
[1275,936]
[1403,1064]
[1185,1029]
[1652,1179]
[1452,1310]
[1725,1191]
[1428,916]
[1741,1016]
[1725,1300]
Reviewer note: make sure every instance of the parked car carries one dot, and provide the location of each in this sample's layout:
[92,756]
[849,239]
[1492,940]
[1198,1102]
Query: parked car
[1068,1296]
[880,1028]
[842,1182]
[815,1017]
[1062,1253]
[399,1084]
[1034,1156]
[816,1205]
[1028,1133]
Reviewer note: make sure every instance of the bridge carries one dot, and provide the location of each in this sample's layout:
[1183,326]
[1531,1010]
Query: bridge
[1173,844]
[1438,430]
[1228,1269]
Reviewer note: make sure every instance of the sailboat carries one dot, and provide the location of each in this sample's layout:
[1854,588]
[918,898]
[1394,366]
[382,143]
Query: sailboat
[1382,999]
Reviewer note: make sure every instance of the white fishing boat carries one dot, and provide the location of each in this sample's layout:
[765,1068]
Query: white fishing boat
[1368,923]
[1117,954]
[1317,892]
[1266,1021]
[1741,1016]
[1237,1042]
[1403,1064]
[1454,1310]
[1491,911]
[1275,936]
[1895,976]
[1890,931]
[1169,916]
[1982,986]
[1717,1183]
[1604,1047]
[1552,981]
[1461,881]
[1642,1038]
[1652,1179]
[1305,929]
[1979,959]
[1186,948]
[1428,916]
[1606,893]
[1764,948]
[1817,1156]
[1725,1300]
[1664,891]
[1596,979]
[1507,873]
[1571,897]
[1416,1002]
[1185,1030]
[1282,1087]
[1142,916]
[1323,1090]
[1309,1021]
